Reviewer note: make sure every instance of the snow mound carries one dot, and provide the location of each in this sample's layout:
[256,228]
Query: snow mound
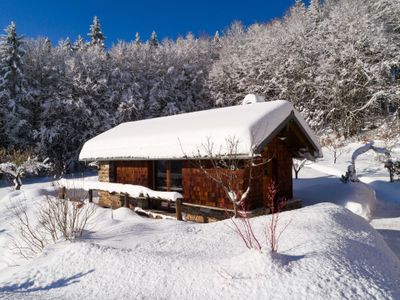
[326,252]
[123,213]
[358,197]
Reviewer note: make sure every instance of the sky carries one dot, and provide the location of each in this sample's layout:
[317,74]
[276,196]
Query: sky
[120,19]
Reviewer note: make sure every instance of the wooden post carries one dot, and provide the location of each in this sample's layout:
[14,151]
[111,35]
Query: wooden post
[90,196]
[63,192]
[178,209]
[168,169]
[126,200]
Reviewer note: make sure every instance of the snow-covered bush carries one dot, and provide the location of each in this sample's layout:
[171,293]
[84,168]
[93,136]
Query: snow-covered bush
[16,164]
[396,166]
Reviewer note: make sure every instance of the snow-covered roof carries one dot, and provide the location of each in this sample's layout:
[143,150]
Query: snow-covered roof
[182,136]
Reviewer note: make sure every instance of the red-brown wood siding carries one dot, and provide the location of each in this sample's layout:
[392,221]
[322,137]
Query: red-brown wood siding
[200,189]
[134,172]
[278,150]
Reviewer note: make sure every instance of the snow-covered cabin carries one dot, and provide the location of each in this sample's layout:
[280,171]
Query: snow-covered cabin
[163,154]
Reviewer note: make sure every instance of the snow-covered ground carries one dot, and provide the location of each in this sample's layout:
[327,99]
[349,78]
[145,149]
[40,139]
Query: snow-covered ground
[324,174]
[327,252]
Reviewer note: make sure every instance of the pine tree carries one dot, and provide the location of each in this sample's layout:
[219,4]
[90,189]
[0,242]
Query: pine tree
[11,53]
[12,83]
[47,44]
[79,44]
[153,40]
[96,35]
[314,10]
[65,44]
[137,38]
[216,37]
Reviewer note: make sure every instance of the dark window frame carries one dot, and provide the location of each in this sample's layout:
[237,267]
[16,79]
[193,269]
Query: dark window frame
[168,175]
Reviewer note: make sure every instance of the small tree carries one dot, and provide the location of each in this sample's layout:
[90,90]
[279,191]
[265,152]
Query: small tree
[16,164]
[153,40]
[334,144]
[96,35]
[393,168]
[396,166]
[297,166]
[390,166]
[137,38]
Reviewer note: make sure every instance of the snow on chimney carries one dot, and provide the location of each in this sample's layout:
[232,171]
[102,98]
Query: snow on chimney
[252,98]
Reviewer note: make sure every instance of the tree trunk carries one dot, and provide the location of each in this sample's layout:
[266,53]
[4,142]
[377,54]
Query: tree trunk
[17,183]
[235,209]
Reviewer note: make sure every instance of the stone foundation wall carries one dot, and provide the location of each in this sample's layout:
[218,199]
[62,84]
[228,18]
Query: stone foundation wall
[107,174]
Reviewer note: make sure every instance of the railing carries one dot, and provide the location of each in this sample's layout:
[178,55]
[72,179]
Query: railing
[126,196]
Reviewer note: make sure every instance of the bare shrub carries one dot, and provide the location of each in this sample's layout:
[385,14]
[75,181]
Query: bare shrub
[57,219]
[334,144]
[275,205]
[31,239]
[244,228]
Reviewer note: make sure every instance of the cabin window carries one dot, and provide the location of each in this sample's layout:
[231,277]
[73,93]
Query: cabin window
[176,176]
[161,175]
[169,175]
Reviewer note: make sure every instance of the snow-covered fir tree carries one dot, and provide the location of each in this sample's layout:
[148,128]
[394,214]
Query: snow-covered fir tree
[137,38]
[14,99]
[79,44]
[96,35]
[153,40]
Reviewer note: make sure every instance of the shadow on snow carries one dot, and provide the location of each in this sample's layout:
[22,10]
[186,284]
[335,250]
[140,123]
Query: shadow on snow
[27,286]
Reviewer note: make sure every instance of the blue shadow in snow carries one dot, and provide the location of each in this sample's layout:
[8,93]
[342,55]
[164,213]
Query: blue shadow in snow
[27,286]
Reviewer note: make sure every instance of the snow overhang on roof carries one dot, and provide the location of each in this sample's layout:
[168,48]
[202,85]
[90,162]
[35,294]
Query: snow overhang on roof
[182,136]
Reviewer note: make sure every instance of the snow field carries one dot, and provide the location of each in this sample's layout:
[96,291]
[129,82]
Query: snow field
[327,252]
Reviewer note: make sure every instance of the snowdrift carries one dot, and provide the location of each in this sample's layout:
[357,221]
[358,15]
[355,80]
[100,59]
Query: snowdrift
[356,196]
[326,252]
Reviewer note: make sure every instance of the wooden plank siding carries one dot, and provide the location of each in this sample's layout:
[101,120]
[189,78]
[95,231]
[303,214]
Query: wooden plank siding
[134,172]
[200,189]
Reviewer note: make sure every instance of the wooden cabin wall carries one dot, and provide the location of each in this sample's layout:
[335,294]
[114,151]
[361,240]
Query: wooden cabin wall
[277,149]
[134,172]
[198,188]
[127,172]
[262,175]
